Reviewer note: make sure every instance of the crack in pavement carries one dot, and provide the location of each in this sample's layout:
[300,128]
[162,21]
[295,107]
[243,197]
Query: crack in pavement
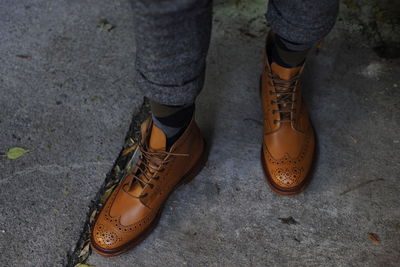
[73,258]
[53,169]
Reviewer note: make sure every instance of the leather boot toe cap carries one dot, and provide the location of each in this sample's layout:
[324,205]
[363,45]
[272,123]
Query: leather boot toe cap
[105,237]
[288,177]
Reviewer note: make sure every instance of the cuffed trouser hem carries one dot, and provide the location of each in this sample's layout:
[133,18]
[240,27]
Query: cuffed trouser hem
[302,22]
[171,94]
[172,40]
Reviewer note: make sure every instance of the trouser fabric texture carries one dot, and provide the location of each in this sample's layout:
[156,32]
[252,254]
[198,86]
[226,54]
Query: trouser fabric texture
[173,36]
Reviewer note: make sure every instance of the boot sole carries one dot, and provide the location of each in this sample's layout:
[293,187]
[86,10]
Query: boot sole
[188,177]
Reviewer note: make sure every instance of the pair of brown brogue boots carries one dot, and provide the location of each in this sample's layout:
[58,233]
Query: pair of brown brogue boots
[133,209]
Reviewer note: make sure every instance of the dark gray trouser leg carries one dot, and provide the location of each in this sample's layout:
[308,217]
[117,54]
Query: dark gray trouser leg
[172,39]
[303,22]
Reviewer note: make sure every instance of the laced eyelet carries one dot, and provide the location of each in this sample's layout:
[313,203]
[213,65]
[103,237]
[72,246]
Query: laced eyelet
[147,167]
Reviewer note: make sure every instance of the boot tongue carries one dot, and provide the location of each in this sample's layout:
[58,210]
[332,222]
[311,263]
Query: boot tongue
[284,73]
[158,140]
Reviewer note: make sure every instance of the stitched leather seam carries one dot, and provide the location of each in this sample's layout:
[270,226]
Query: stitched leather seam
[287,158]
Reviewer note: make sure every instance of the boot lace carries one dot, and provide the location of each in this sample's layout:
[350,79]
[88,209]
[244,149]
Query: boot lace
[284,91]
[148,164]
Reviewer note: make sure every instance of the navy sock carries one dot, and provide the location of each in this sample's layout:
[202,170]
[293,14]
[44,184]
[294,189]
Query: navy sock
[172,120]
[284,53]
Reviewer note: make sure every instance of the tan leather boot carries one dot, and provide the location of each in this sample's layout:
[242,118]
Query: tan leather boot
[133,209]
[288,136]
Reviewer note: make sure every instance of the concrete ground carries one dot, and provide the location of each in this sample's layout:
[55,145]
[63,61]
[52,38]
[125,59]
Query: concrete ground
[67,95]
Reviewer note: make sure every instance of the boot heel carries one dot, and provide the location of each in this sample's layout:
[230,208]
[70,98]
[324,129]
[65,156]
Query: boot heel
[201,162]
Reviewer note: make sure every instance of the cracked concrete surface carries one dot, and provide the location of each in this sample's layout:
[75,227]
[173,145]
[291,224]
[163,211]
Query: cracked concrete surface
[66,93]
[71,103]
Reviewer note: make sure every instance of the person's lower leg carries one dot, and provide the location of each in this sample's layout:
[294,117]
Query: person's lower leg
[172,39]
[297,26]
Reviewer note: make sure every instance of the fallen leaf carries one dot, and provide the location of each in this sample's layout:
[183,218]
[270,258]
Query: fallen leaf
[92,216]
[110,183]
[107,193]
[105,25]
[16,152]
[94,98]
[354,140]
[129,149]
[218,239]
[85,252]
[65,190]
[129,142]
[27,57]
[288,220]
[83,265]
[117,170]
[375,238]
